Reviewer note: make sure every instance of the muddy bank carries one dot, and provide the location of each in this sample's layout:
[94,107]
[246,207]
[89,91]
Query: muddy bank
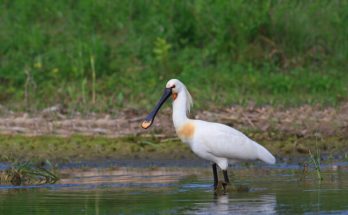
[305,121]
[53,135]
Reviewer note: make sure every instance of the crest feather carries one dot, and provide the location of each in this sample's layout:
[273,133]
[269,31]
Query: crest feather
[189,101]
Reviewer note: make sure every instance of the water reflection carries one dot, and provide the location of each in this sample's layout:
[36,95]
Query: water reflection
[227,204]
[176,191]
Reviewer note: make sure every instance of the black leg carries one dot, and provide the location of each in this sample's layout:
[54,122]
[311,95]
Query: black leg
[227,181]
[215,176]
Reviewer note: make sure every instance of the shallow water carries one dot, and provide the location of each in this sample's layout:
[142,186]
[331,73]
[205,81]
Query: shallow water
[273,190]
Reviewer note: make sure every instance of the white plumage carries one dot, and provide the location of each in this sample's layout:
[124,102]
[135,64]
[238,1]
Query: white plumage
[222,145]
[215,142]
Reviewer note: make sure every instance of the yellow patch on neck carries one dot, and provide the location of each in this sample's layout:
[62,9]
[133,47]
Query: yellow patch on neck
[174,95]
[186,131]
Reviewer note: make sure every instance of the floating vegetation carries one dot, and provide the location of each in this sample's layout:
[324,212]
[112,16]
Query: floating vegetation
[27,173]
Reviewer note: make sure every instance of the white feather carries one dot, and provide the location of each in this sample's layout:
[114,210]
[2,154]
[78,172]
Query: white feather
[189,101]
[216,142]
[223,144]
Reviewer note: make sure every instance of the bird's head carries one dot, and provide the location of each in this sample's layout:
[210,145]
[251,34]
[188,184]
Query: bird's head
[174,87]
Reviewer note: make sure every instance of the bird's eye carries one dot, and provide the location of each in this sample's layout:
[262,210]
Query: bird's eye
[173,86]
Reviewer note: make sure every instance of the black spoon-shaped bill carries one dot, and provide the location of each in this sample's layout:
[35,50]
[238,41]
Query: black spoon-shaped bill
[151,117]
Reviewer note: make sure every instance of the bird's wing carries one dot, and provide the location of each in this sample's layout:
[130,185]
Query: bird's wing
[227,142]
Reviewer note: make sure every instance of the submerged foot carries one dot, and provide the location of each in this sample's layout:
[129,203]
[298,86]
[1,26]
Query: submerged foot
[223,188]
[224,185]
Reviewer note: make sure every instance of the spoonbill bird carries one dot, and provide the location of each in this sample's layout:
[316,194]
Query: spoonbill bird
[215,142]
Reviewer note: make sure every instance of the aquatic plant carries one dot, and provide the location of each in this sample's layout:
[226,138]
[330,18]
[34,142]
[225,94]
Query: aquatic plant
[26,173]
[315,160]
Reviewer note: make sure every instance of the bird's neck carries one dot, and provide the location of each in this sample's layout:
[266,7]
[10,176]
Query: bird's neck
[180,110]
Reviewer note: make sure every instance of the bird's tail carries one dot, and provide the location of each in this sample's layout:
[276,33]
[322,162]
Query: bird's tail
[265,155]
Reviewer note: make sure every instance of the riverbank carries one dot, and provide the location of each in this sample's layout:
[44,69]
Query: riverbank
[264,122]
[287,133]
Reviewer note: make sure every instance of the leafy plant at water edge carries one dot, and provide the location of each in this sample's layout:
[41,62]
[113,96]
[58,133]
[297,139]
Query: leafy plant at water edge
[315,160]
[26,173]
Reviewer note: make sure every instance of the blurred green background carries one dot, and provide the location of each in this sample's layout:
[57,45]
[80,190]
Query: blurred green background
[100,55]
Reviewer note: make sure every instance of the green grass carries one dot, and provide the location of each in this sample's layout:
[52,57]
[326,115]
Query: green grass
[17,148]
[104,55]
[83,148]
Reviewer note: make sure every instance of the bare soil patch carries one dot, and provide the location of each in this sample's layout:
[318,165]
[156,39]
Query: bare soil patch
[304,121]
